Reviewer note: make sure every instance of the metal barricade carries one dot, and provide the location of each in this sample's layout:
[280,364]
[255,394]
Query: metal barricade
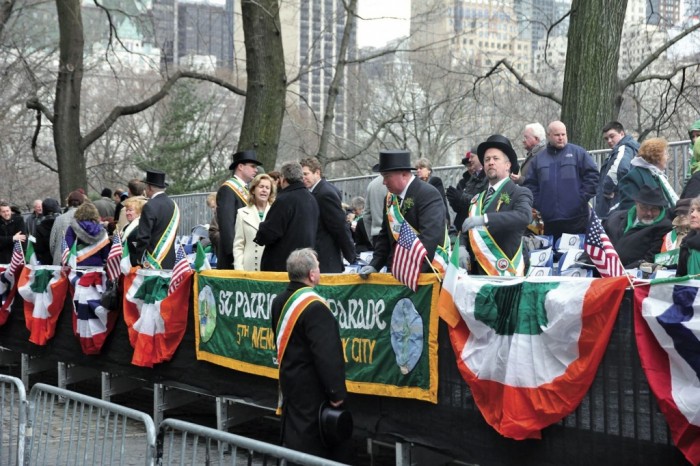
[69,428]
[184,443]
[13,420]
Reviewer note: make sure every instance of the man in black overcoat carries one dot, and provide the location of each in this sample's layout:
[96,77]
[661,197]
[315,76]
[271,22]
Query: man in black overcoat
[333,237]
[291,222]
[421,206]
[499,215]
[312,369]
[231,196]
[160,218]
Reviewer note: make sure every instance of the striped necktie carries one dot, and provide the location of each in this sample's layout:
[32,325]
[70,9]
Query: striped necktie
[489,195]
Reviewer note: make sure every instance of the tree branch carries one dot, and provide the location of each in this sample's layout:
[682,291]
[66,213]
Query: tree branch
[34,104]
[35,138]
[663,77]
[124,110]
[656,54]
[521,81]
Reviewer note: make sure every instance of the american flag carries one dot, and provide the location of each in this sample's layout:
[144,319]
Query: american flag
[66,251]
[601,250]
[180,271]
[408,257]
[17,260]
[114,258]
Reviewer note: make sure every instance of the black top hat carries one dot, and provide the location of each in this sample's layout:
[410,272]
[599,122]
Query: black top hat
[243,157]
[393,160]
[650,196]
[335,424]
[502,143]
[155,178]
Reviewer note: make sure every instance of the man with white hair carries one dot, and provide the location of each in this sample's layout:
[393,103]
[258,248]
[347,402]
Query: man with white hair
[534,140]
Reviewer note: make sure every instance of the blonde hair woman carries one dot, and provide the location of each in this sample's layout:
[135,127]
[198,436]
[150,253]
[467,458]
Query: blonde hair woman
[246,253]
[132,212]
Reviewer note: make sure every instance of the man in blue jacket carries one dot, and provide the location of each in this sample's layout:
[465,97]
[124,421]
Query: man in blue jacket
[562,178]
[615,167]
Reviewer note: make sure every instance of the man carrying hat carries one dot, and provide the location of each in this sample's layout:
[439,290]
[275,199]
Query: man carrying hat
[411,200]
[637,233]
[310,359]
[157,230]
[499,215]
[231,196]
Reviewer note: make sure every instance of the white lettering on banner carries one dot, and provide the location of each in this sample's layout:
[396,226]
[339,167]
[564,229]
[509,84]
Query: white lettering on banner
[359,314]
[224,306]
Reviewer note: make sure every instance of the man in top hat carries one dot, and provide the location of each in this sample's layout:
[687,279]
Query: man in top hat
[157,230]
[231,196]
[310,358]
[499,215]
[638,233]
[411,200]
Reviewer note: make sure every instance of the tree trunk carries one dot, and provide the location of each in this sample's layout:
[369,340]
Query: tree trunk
[334,89]
[70,160]
[6,7]
[266,89]
[590,76]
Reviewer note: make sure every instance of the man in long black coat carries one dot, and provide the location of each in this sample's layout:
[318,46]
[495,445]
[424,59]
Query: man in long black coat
[291,222]
[421,206]
[333,236]
[155,240]
[231,196]
[637,233]
[312,369]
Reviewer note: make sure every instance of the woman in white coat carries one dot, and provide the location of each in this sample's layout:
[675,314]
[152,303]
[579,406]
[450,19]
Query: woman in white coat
[246,253]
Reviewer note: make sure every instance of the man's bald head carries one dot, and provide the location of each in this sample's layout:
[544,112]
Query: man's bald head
[556,134]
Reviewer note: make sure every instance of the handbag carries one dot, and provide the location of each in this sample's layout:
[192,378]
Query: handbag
[110,297]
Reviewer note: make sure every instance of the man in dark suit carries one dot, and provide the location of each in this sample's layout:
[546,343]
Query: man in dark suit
[160,218]
[291,222]
[311,361]
[420,205]
[333,236]
[498,216]
[231,196]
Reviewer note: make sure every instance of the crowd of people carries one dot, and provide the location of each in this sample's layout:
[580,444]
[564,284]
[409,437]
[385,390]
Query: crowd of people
[294,220]
[259,219]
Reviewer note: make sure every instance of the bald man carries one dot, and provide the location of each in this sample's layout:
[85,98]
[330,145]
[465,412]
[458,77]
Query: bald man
[563,178]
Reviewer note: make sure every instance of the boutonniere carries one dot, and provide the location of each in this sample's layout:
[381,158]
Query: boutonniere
[504,199]
[407,204]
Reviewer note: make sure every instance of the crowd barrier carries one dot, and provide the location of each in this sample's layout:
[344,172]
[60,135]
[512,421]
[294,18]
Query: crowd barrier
[13,420]
[64,427]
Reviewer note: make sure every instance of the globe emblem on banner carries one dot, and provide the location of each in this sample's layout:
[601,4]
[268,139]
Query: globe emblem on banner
[207,314]
[406,335]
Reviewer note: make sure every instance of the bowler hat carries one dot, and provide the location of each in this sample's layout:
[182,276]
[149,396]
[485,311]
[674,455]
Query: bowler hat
[503,144]
[650,196]
[155,178]
[335,424]
[244,157]
[393,160]
[682,206]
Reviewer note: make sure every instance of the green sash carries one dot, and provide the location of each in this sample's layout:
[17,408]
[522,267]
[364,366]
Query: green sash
[239,188]
[488,254]
[165,242]
[292,310]
[693,262]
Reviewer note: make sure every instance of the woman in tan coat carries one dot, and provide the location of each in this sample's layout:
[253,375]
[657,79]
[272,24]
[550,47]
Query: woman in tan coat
[246,253]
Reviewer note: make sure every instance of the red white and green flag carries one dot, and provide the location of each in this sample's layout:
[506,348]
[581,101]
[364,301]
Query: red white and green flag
[43,288]
[530,348]
[155,314]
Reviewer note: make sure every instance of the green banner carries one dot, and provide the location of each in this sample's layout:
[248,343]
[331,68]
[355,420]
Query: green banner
[388,332]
